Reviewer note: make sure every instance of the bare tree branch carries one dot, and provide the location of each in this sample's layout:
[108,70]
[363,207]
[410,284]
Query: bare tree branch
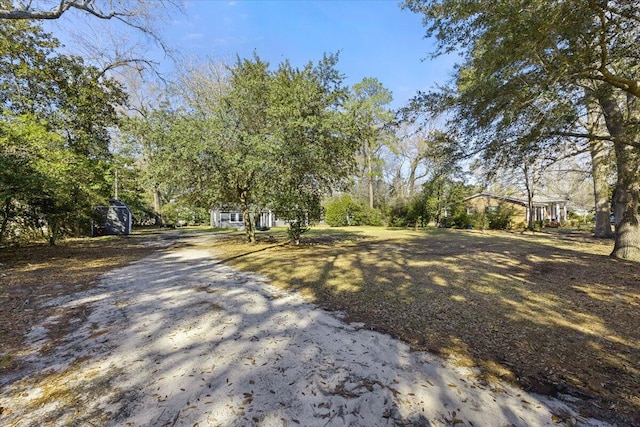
[137,14]
[25,11]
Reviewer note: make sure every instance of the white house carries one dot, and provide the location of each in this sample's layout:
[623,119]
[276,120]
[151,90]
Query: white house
[233,219]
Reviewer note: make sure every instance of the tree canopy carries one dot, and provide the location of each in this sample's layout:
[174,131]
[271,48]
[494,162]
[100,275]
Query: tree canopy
[54,132]
[263,139]
[528,70]
[367,107]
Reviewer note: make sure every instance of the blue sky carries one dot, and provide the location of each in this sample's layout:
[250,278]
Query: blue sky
[375,38]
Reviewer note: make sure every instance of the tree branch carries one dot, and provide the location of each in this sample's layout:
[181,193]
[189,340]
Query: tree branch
[124,62]
[583,135]
[64,5]
[628,85]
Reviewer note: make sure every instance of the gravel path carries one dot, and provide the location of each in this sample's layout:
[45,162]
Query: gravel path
[178,339]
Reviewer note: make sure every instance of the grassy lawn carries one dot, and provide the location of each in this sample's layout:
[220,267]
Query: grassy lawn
[552,313]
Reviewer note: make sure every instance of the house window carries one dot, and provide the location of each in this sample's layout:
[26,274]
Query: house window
[235,217]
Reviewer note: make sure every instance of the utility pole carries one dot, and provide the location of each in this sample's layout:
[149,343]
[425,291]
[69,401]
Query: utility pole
[115,184]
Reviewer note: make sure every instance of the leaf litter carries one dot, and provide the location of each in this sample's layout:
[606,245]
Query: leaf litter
[305,357]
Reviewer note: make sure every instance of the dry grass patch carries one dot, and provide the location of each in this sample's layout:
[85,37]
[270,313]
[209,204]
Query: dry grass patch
[33,275]
[552,313]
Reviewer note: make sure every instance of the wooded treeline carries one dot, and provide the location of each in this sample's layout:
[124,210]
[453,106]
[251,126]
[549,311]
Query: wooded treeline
[544,101]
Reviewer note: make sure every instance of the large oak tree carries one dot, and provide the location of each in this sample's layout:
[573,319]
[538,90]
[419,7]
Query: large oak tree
[526,65]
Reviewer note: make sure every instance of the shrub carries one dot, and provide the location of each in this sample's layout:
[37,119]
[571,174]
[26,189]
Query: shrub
[338,211]
[169,213]
[346,211]
[458,217]
[298,227]
[416,212]
[364,215]
[480,221]
[501,218]
[521,226]
[398,215]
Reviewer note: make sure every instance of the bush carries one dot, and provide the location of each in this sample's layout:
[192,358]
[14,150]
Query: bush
[414,213]
[480,221]
[501,218]
[459,218]
[364,215]
[398,216]
[346,211]
[521,226]
[338,210]
[174,213]
[297,227]
[169,213]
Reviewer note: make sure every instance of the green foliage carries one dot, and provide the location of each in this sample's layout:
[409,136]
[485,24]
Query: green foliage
[197,216]
[459,218]
[439,201]
[339,211]
[147,144]
[344,210]
[495,218]
[56,117]
[271,139]
[76,100]
[529,70]
[45,186]
[501,218]
[364,215]
[368,115]
[415,213]
[170,213]
[175,213]
[298,226]
[398,215]
[479,221]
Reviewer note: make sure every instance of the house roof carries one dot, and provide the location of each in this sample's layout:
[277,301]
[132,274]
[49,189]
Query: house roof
[515,200]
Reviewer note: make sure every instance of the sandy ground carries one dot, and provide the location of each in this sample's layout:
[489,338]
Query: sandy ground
[178,339]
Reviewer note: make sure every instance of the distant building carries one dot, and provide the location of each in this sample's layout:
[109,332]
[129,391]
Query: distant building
[114,219]
[233,219]
[543,209]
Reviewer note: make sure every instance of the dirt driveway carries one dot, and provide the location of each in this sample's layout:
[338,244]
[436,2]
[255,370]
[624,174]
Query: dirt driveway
[178,339]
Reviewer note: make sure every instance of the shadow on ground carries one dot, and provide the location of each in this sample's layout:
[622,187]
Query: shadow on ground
[179,339]
[545,314]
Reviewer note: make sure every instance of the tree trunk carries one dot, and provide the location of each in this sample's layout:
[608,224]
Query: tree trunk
[54,230]
[413,166]
[599,151]
[157,206]
[599,170]
[246,215]
[627,197]
[529,187]
[370,178]
[627,193]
